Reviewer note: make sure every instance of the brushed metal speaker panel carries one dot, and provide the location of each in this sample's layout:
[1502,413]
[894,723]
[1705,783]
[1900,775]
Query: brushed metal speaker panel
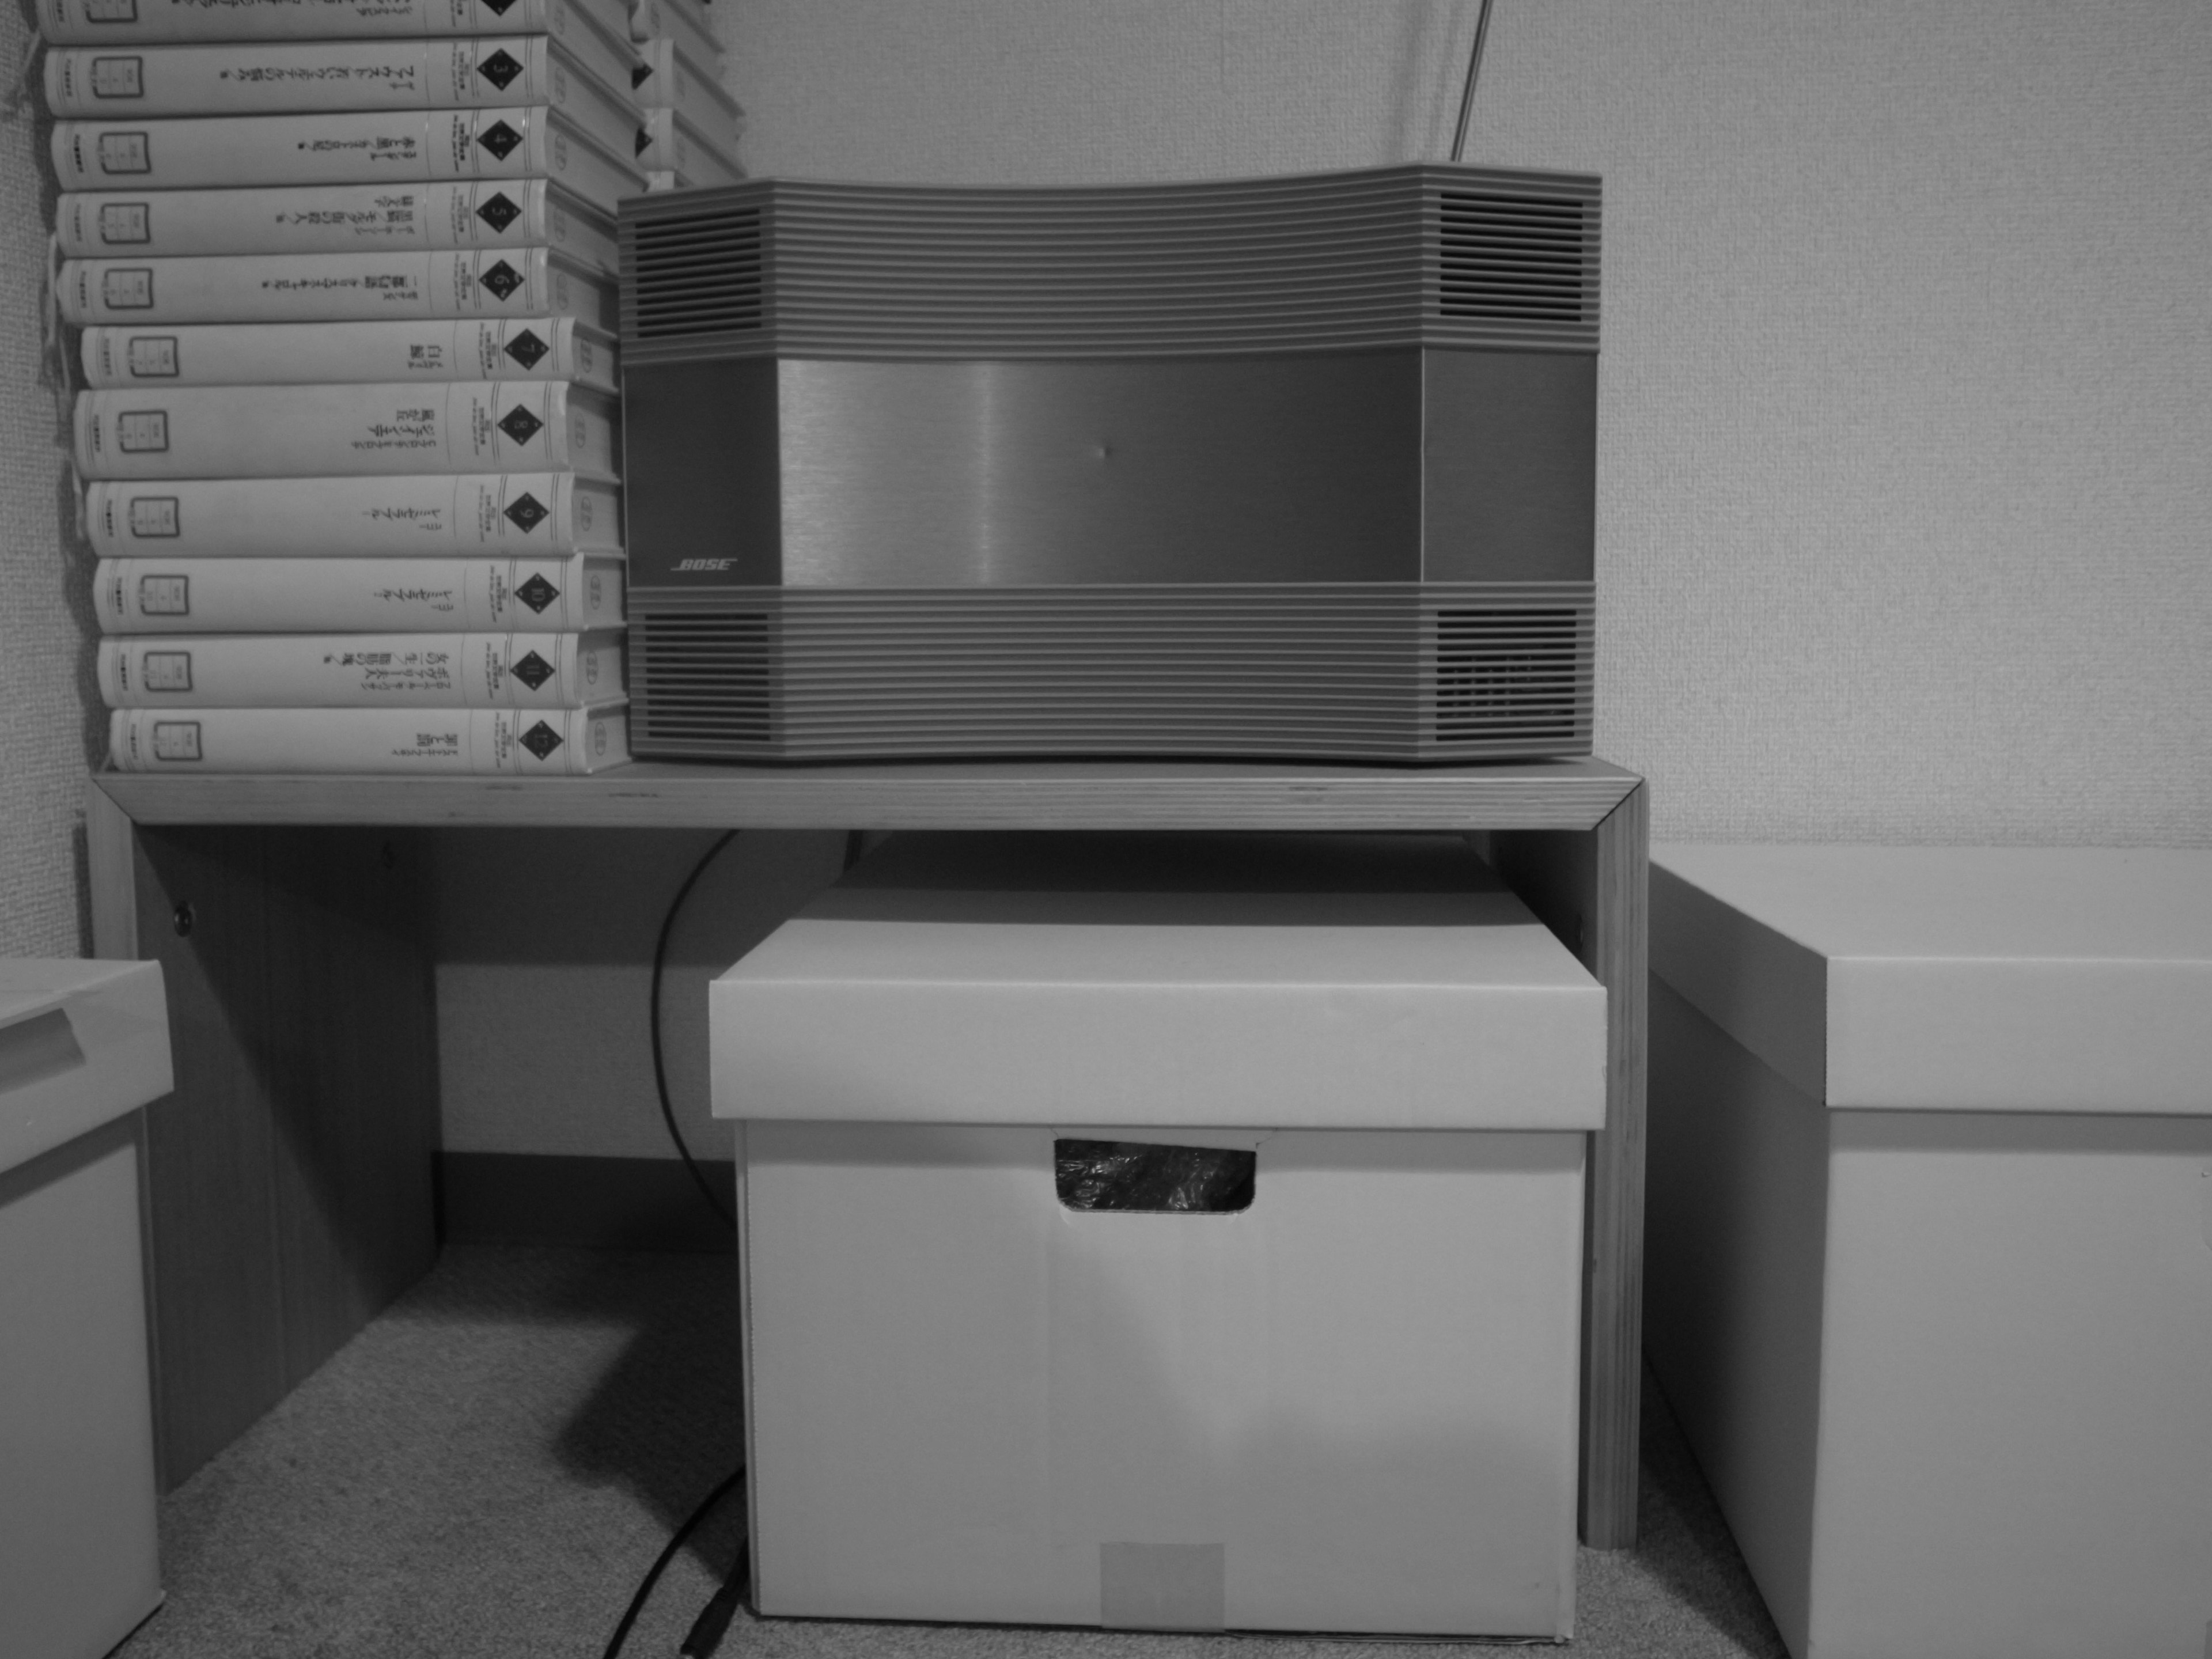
[1406,672]
[1011,474]
[1508,473]
[1357,467]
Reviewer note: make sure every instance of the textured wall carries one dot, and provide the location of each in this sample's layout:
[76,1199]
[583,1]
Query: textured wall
[49,701]
[1905,434]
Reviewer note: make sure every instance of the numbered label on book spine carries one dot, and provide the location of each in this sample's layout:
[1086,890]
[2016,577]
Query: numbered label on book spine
[552,742]
[413,517]
[312,596]
[285,431]
[352,670]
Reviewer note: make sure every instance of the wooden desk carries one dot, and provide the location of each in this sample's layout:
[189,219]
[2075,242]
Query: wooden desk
[291,1173]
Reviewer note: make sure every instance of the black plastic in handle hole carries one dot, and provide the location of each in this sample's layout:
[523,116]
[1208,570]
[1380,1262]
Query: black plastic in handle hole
[1140,1176]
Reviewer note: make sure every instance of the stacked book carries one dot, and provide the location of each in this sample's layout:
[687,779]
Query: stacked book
[345,275]
[688,130]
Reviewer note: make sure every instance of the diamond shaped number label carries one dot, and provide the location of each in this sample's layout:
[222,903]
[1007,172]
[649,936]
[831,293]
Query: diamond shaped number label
[533,671]
[525,513]
[541,740]
[500,139]
[520,424]
[500,68]
[528,349]
[497,8]
[499,213]
[537,593]
[502,279]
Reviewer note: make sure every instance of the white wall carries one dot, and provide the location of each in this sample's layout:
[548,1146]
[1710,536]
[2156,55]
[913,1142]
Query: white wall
[49,704]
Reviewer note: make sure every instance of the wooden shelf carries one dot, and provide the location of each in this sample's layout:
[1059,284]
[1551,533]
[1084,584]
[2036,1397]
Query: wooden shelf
[1565,794]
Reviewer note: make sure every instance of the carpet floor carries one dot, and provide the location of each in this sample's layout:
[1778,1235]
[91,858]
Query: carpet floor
[490,1467]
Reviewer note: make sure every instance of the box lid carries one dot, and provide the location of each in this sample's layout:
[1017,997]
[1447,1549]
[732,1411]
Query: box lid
[1951,978]
[1281,982]
[81,1042]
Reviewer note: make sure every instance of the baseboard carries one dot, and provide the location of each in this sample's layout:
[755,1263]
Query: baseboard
[593,1203]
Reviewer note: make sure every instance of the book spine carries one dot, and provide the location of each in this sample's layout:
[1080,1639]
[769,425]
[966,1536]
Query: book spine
[362,670]
[287,77]
[399,146]
[305,431]
[128,22]
[667,142]
[527,514]
[148,596]
[609,56]
[299,287]
[654,19]
[551,743]
[666,79]
[330,219]
[277,354]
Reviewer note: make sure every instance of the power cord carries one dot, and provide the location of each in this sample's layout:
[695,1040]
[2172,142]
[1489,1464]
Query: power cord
[660,1565]
[855,843]
[660,1064]
[714,1620]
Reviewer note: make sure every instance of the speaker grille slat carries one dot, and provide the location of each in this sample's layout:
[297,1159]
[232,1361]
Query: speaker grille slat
[1421,255]
[701,275]
[1408,672]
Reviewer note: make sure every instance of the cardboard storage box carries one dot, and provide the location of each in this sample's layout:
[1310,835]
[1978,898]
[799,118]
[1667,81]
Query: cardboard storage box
[1928,1261]
[82,1045]
[1350,1406]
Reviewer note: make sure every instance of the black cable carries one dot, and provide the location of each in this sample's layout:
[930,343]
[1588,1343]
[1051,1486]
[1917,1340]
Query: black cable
[854,843]
[660,1565]
[1473,69]
[714,1620]
[659,1066]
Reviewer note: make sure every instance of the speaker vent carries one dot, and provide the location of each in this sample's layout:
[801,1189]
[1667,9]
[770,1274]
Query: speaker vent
[699,274]
[1509,673]
[1514,259]
[701,676]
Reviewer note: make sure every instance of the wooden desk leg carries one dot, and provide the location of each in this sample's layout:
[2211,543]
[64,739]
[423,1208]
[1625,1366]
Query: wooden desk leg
[1590,888]
[289,1174]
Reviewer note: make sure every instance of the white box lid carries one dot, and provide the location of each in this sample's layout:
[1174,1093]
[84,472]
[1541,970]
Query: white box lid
[1277,982]
[81,1042]
[1951,978]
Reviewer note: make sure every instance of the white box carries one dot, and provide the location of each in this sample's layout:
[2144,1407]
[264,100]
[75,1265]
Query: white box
[1350,1406]
[1929,1260]
[82,1045]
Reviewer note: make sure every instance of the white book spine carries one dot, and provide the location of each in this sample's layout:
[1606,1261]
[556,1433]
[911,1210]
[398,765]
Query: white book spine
[516,513]
[299,287]
[277,354]
[668,142]
[651,20]
[248,78]
[666,79]
[306,431]
[324,596]
[371,146]
[333,219]
[362,670]
[127,22]
[550,742]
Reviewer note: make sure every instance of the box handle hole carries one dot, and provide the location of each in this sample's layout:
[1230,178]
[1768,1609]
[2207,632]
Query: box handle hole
[1142,1176]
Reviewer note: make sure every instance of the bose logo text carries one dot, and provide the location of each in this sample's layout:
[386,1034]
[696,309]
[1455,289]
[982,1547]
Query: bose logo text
[703,564]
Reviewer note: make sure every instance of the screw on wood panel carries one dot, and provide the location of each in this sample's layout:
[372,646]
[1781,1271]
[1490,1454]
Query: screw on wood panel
[184,919]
